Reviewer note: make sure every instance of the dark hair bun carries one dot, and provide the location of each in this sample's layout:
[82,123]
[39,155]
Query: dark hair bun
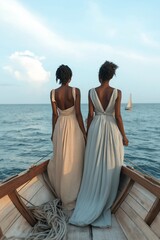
[63,74]
[107,71]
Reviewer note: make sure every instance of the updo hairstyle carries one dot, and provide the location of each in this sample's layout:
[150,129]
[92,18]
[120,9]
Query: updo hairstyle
[63,74]
[107,71]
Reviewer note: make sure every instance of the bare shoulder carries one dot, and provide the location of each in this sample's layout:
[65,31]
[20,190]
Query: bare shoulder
[51,93]
[77,91]
[119,95]
[96,88]
[119,92]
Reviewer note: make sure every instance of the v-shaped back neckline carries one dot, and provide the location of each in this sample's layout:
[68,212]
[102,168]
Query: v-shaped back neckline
[104,110]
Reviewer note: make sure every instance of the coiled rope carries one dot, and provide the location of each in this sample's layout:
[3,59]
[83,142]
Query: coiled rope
[51,225]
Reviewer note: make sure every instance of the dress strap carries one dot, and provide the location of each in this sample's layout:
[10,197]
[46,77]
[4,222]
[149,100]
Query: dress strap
[74,93]
[53,95]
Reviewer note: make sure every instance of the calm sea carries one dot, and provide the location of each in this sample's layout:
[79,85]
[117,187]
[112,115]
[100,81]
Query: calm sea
[25,136]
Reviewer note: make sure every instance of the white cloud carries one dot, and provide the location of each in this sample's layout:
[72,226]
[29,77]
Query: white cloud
[12,12]
[28,67]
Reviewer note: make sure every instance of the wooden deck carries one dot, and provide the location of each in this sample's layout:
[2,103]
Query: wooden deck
[136,211]
[36,192]
[92,233]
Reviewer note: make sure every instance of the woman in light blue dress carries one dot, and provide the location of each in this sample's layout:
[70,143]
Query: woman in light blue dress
[104,154]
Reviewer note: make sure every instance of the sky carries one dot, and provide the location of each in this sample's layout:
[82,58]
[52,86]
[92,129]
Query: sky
[37,36]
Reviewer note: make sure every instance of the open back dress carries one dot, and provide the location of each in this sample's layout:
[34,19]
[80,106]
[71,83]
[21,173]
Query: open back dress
[103,160]
[65,169]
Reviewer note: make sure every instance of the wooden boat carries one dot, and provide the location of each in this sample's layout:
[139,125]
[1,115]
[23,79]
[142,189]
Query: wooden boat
[135,212]
[129,104]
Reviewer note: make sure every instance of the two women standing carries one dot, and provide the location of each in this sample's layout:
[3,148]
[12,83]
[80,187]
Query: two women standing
[103,154]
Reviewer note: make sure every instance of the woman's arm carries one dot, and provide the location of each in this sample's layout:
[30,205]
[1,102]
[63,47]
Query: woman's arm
[90,112]
[119,118]
[78,112]
[54,114]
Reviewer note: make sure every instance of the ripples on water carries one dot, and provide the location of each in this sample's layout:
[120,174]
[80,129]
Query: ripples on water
[25,136]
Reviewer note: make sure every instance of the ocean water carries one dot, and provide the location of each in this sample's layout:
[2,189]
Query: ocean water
[25,132]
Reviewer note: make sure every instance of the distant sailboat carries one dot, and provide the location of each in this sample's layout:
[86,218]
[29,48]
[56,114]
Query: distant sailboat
[129,104]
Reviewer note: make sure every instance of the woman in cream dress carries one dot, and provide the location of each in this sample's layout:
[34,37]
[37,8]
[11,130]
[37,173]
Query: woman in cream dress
[103,155]
[68,136]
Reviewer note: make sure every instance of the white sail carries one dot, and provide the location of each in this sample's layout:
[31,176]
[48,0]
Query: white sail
[129,104]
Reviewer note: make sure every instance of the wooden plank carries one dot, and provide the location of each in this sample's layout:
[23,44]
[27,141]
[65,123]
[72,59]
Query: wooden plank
[153,212]
[9,219]
[19,228]
[155,225]
[78,233]
[30,190]
[139,209]
[137,177]
[33,191]
[42,196]
[115,232]
[8,212]
[27,185]
[26,213]
[6,206]
[129,228]
[143,199]
[122,196]
[145,192]
[13,184]
[144,228]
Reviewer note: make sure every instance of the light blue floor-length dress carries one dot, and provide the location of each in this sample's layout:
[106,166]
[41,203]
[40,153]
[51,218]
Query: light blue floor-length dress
[103,160]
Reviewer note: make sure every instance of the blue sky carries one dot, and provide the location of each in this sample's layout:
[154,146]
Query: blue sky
[39,35]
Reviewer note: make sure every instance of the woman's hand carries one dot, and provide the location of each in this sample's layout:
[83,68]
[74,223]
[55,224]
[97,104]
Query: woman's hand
[125,141]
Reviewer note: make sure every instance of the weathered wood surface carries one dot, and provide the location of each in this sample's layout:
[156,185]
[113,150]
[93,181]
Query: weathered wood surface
[36,191]
[18,181]
[122,195]
[129,228]
[78,233]
[139,209]
[152,186]
[141,226]
[24,211]
[13,224]
[132,209]
[109,233]
[8,213]
[153,212]
[155,226]
[93,233]
[18,228]
[140,199]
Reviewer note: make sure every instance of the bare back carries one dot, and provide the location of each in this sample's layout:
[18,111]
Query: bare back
[104,95]
[64,97]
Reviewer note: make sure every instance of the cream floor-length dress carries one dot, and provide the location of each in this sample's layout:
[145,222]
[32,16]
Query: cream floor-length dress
[65,168]
[103,160]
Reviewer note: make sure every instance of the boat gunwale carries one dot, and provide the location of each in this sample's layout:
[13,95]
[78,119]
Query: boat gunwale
[13,183]
[151,184]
